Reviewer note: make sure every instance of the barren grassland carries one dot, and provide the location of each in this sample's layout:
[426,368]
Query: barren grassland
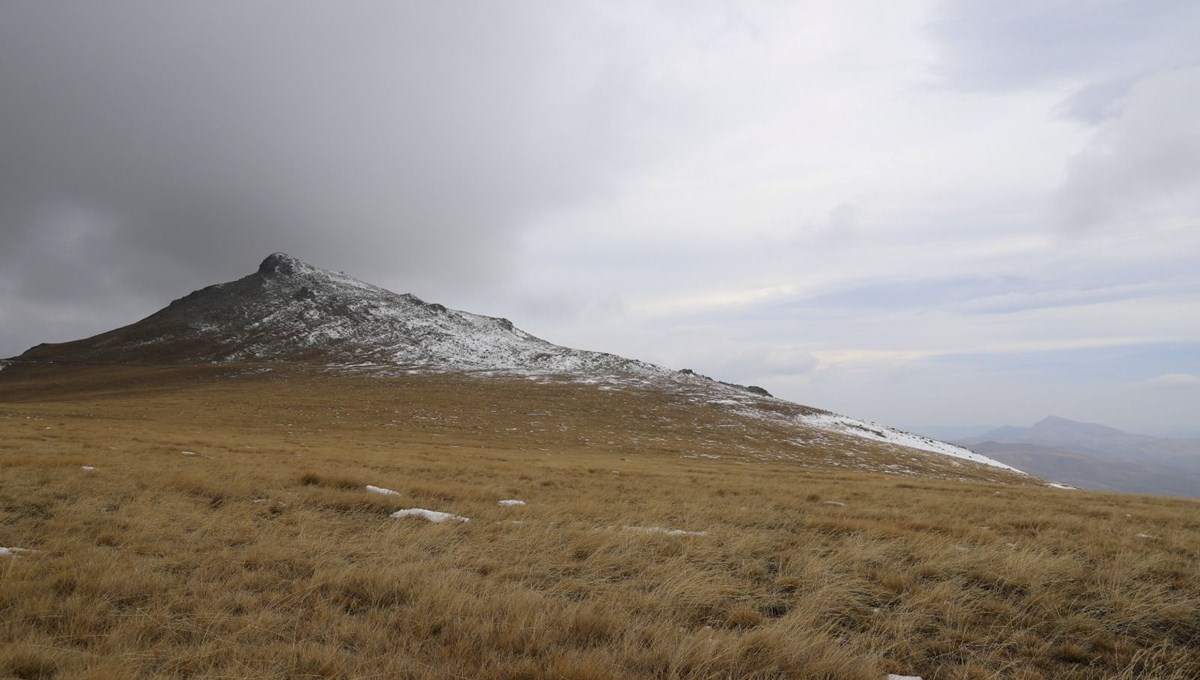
[259,553]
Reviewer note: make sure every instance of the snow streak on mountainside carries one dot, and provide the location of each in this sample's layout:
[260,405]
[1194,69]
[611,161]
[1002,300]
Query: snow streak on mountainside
[291,311]
[889,435]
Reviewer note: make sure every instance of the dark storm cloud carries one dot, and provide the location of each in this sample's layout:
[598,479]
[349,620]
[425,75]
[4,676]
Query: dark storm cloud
[147,148]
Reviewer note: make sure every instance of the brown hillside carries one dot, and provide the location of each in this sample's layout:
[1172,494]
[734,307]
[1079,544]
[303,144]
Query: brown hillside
[658,541]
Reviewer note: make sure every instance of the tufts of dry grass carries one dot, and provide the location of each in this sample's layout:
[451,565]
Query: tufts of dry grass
[262,555]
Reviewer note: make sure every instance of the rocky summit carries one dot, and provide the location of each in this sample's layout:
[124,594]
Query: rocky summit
[290,310]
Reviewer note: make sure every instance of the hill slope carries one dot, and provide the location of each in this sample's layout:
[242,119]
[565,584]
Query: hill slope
[289,311]
[205,521]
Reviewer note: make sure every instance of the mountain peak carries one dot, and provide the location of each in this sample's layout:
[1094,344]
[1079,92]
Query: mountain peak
[1054,420]
[282,264]
[289,310]
[1062,425]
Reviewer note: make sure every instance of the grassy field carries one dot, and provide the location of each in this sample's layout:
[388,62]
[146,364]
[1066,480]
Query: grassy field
[225,530]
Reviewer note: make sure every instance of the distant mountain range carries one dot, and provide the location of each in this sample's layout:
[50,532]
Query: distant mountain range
[1093,456]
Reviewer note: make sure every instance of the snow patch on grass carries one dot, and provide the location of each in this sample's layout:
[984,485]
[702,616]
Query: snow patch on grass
[431,515]
[665,531]
[511,502]
[381,490]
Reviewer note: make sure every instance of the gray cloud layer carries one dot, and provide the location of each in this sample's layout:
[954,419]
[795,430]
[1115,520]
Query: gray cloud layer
[1131,67]
[1025,43]
[148,145]
[769,192]
[1145,160]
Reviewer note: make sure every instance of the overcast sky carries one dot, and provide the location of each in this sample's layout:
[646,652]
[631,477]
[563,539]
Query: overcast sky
[932,215]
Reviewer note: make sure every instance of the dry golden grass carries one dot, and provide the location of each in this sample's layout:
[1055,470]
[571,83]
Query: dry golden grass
[262,555]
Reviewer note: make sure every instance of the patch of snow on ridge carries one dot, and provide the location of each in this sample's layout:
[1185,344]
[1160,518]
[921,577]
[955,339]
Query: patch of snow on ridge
[431,515]
[858,428]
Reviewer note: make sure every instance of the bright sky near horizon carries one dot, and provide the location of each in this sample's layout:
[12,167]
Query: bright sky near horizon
[935,215]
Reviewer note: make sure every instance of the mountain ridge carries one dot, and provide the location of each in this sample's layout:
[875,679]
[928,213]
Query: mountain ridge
[1096,456]
[289,310]
[1091,437]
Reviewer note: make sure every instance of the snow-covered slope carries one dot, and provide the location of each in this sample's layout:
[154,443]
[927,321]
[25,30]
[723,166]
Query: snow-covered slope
[816,426]
[289,310]
[888,435]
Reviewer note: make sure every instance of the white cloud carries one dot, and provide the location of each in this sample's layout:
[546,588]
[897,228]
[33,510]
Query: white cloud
[1175,380]
[1142,167]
